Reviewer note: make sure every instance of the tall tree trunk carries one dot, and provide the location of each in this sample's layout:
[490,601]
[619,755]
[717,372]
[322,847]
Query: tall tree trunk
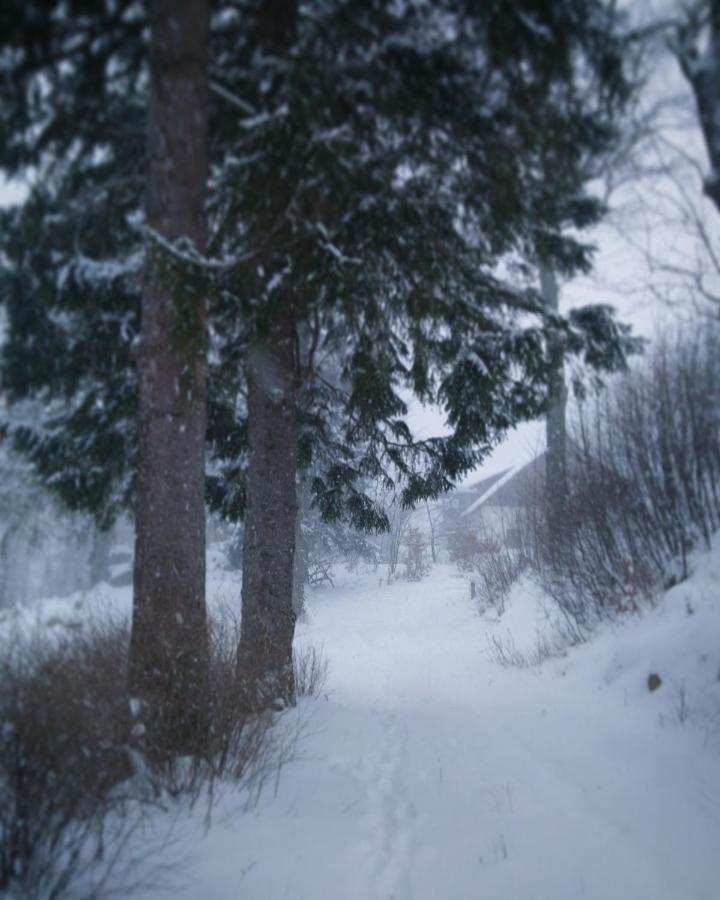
[702,69]
[265,667]
[169,643]
[99,559]
[431,524]
[300,567]
[555,426]
[264,661]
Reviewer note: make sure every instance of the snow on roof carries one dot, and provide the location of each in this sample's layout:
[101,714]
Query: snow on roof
[505,476]
[514,483]
[480,487]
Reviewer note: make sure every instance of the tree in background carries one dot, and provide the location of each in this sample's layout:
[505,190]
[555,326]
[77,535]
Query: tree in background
[40,548]
[697,47]
[555,426]
[659,176]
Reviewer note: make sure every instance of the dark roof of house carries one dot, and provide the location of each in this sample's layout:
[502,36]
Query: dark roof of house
[513,487]
[481,487]
[517,486]
[518,489]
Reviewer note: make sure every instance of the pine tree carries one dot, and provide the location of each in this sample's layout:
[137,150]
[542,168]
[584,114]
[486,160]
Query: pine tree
[391,163]
[384,181]
[124,405]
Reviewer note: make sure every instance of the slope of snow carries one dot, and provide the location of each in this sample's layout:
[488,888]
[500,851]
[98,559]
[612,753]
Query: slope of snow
[429,771]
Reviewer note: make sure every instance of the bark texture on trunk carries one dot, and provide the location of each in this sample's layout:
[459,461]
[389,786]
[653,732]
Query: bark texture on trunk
[169,642]
[264,662]
[265,666]
[555,426]
[300,560]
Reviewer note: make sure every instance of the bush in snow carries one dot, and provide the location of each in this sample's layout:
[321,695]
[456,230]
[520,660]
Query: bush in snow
[464,548]
[491,565]
[495,571]
[311,671]
[74,781]
[64,746]
[416,554]
[644,483]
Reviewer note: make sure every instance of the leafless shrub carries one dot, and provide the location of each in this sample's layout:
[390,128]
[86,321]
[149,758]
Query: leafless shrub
[492,566]
[644,484]
[496,570]
[464,547]
[392,541]
[240,747]
[311,671]
[504,652]
[416,555]
[64,746]
[319,572]
[74,781]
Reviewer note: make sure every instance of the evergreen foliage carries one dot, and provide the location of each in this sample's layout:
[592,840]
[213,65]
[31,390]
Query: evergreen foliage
[395,179]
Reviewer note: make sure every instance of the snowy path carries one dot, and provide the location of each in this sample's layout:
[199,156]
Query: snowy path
[430,772]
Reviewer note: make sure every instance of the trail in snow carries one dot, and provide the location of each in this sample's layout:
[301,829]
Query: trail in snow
[431,772]
[386,866]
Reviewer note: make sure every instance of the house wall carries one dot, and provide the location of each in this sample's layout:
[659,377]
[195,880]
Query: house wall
[497,522]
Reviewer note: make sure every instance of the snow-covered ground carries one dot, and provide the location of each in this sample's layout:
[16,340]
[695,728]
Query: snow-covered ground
[430,771]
